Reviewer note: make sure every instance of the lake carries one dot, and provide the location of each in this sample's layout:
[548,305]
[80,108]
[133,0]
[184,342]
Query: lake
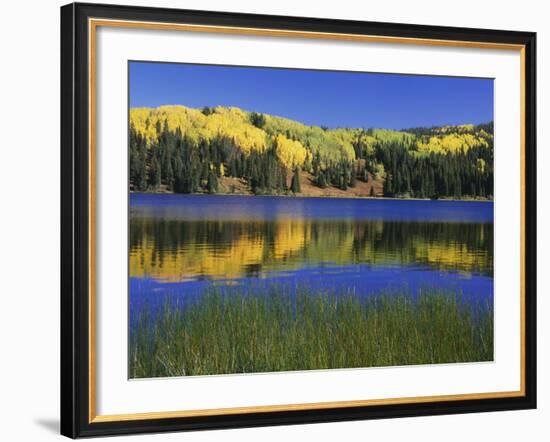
[181,245]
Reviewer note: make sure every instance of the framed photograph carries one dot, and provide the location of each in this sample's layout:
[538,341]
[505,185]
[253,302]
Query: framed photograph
[275,220]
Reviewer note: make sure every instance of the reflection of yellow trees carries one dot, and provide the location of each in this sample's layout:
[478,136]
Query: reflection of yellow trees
[446,256]
[291,244]
[291,237]
[217,261]
[196,260]
[331,243]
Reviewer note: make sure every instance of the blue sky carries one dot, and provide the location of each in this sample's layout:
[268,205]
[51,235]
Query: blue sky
[329,98]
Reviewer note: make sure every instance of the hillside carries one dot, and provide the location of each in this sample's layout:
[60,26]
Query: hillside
[229,150]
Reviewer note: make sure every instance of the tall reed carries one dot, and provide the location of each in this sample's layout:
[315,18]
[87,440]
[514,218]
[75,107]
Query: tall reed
[281,329]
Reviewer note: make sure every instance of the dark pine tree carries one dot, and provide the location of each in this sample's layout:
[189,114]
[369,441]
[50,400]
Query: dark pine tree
[353,178]
[295,186]
[212,184]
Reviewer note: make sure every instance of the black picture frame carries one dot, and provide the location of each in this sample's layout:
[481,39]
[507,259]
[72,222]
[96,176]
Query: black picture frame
[75,220]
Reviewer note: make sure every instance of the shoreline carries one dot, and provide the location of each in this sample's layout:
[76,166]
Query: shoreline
[355,197]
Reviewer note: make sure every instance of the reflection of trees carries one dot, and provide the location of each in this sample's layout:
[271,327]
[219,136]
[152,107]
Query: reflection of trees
[175,249]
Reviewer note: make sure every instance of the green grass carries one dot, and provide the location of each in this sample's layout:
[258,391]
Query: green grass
[246,332]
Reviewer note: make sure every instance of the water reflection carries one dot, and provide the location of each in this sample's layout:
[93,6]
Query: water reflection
[196,238]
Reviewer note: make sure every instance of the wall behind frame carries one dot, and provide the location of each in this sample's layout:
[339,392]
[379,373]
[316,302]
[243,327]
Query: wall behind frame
[29,188]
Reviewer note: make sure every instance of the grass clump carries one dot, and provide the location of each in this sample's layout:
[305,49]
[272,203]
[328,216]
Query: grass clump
[279,329]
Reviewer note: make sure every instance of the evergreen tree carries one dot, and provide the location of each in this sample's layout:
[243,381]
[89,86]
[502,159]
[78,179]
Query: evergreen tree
[212,185]
[353,178]
[184,164]
[257,119]
[295,186]
[321,180]
[154,174]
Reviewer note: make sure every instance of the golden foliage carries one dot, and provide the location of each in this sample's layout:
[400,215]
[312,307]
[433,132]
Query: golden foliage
[224,122]
[291,153]
[451,143]
[460,128]
[295,142]
[331,144]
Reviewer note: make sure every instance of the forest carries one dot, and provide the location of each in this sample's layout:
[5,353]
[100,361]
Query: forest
[228,150]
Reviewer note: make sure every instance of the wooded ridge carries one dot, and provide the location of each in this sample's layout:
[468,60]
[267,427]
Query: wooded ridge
[229,150]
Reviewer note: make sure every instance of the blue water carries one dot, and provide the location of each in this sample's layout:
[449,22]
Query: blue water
[265,208]
[357,246]
[361,281]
